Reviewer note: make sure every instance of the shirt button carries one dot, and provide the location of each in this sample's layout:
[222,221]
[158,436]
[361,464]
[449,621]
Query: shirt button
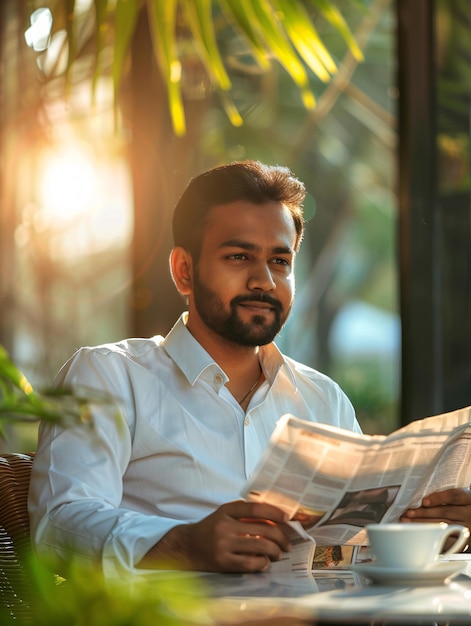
[247,421]
[218,379]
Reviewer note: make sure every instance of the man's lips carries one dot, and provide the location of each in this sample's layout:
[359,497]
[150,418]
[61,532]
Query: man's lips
[262,304]
[257,306]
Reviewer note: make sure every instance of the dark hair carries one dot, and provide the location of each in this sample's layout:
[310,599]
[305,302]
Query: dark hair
[243,180]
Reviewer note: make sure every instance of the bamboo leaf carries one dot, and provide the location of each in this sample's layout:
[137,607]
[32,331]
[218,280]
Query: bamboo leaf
[334,17]
[125,19]
[231,110]
[177,112]
[162,17]
[101,27]
[241,14]
[272,29]
[10,373]
[305,38]
[200,21]
[275,37]
[71,36]
[67,406]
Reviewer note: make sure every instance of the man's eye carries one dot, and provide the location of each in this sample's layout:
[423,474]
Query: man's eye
[239,256]
[280,261]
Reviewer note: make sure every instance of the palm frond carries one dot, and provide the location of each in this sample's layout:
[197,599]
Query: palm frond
[126,14]
[163,24]
[280,31]
[101,29]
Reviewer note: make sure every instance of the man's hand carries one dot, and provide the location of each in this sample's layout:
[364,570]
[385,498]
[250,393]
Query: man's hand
[238,537]
[452,506]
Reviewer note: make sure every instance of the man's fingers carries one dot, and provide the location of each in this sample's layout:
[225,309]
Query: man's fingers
[224,542]
[259,529]
[450,506]
[255,510]
[257,545]
[458,497]
[247,563]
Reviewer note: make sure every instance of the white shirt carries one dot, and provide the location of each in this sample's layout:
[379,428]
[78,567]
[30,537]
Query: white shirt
[182,447]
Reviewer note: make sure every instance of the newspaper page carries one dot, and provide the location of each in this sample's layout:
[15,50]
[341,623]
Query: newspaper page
[336,482]
[306,557]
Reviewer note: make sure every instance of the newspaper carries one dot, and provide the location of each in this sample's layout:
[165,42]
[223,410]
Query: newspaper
[337,481]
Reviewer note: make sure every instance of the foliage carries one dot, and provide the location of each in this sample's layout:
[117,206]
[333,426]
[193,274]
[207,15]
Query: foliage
[83,597]
[20,402]
[371,384]
[269,30]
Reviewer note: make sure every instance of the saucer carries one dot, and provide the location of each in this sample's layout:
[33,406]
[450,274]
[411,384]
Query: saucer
[436,574]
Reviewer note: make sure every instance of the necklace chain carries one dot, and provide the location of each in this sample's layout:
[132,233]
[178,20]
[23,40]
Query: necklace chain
[241,401]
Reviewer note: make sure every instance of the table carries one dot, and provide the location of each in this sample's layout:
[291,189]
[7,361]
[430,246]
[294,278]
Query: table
[336,597]
[325,597]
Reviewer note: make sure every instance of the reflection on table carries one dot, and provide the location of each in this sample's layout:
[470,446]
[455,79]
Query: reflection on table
[326,597]
[339,597]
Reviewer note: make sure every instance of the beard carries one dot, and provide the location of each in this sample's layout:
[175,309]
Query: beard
[227,324]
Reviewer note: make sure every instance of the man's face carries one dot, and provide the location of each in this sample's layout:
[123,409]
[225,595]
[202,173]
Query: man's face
[243,282]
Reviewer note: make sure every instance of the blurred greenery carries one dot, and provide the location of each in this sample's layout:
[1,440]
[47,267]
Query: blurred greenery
[83,597]
[21,404]
[365,380]
[280,31]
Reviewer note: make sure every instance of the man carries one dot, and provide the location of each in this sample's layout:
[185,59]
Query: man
[198,406]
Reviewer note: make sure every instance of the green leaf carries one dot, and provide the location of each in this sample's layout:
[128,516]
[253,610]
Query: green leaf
[200,21]
[10,373]
[280,30]
[125,19]
[162,17]
[334,17]
[101,28]
[71,37]
[231,111]
[305,38]
[241,14]
[273,33]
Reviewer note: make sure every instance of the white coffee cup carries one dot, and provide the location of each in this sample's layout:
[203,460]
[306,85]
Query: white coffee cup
[413,545]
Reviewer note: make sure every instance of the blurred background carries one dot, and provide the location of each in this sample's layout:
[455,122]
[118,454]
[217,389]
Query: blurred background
[107,108]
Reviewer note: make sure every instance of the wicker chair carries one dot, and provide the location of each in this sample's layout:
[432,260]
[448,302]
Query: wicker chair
[16,588]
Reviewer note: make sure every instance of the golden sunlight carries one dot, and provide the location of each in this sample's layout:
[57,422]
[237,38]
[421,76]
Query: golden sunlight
[85,200]
[69,185]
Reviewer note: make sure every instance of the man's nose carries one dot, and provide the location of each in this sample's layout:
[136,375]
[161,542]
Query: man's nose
[261,278]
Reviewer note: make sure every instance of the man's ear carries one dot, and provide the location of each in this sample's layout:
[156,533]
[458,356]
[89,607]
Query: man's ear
[181,268]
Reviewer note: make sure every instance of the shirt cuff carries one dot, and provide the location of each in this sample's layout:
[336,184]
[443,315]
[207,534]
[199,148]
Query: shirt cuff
[130,541]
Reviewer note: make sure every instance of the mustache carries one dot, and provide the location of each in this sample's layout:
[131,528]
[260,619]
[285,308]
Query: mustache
[258,297]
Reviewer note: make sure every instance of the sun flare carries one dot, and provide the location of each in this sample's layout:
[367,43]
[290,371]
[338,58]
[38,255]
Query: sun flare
[84,201]
[69,185]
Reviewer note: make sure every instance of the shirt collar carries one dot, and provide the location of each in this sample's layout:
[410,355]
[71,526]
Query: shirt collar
[187,353]
[193,360]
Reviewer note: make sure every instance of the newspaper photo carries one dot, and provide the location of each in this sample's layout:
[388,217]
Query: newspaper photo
[336,482]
